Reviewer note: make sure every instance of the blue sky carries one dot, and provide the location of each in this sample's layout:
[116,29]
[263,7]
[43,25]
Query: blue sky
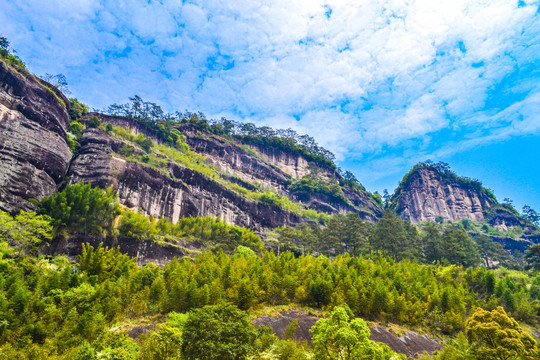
[383,84]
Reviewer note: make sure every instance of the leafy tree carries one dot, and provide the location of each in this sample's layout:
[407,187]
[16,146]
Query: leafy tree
[80,208]
[77,109]
[533,257]
[531,214]
[495,335]
[458,248]
[218,332]
[135,225]
[59,81]
[25,231]
[93,122]
[457,349]
[4,43]
[490,251]
[339,337]
[396,237]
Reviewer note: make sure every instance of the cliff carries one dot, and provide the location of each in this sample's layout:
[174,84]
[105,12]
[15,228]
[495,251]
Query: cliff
[426,193]
[227,182]
[243,183]
[34,155]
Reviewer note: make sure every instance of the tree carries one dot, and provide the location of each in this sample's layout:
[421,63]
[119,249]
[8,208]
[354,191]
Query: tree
[218,332]
[495,335]
[25,231]
[533,257]
[458,248]
[339,337]
[4,43]
[396,237]
[531,214]
[94,122]
[77,109]
[491,251]
[59,81]
[82,209]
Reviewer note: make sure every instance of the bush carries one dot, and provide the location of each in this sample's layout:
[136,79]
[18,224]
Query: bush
[82,209]
[94,122]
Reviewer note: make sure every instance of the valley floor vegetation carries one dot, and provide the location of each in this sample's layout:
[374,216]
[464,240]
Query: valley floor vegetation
[199,307]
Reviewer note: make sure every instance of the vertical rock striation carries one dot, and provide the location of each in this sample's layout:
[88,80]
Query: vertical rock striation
[426,194]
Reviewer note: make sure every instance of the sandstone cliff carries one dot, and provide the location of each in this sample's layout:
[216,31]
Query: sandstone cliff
[34,155]
[426,193]
[178,191]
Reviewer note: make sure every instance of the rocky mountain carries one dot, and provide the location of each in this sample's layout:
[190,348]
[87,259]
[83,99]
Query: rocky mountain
[432,192]
[203,174]
[34,155]
[428,191]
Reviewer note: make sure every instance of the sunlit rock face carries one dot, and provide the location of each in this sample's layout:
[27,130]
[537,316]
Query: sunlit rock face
[34,155]
[427,195]
[173,194]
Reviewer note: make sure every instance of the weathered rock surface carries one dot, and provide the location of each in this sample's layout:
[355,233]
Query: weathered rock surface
[409,344]
[34,155]
[251,167]
[426,194]
[175,193]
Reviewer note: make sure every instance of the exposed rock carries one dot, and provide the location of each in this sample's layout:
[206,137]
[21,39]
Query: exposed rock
[251,167]
[426,194]
[409,344]
[34,155]
[175,193]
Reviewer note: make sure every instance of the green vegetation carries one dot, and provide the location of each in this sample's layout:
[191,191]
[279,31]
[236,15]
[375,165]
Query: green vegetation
[181,155]
[6,54]
[52,308]
[493,335]
[339,337]
[24,232]
[82,209]
[312,185]
[152,117]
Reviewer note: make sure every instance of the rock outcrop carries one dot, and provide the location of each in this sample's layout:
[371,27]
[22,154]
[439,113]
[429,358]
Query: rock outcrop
[173,193]
[426,194]
[34,155]
[251,167]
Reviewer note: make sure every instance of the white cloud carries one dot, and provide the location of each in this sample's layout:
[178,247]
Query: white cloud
[367,77]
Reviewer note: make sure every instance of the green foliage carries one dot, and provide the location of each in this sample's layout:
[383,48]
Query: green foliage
[49,306]
[25,231]
[135,225]
[312,185]
[93,122]
[457,349]
[82,209]
[152,117]
[218,332]
[531,215]
[495,335]
[396,237]
[339,337]
[533,257]
[77,109]
[6,54]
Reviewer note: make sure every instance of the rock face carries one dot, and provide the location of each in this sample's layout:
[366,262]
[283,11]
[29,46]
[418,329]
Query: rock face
[173,193]
[409,344]
[165,194]
[426,194]
[34,155]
